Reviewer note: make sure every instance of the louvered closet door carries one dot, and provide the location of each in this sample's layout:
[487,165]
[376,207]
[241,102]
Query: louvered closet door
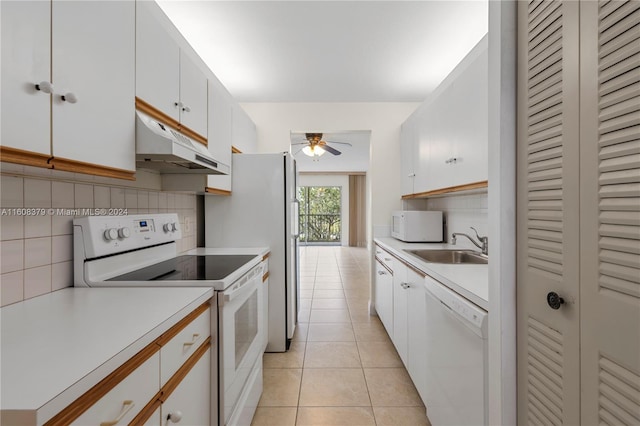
[610,212]
[548,215]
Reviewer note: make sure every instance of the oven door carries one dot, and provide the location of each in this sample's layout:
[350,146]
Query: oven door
[241,334]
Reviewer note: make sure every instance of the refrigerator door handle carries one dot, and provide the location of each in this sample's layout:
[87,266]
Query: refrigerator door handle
[295,204]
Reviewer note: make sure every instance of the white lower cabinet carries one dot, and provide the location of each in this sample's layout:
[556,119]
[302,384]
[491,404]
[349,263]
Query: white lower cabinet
[416,331]
[124,401]
[400,335]
[174,377]
[188,404]
[384,296]
[178,350]
[401,306]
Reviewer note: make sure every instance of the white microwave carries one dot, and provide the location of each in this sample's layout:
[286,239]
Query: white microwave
[417,226]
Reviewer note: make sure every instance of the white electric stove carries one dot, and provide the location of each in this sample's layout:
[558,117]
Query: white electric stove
[141,251]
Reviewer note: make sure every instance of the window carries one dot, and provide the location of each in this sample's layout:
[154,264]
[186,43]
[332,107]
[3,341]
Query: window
[320,214]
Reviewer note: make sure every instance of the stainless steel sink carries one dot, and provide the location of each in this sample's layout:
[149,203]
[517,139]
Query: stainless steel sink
[450,256]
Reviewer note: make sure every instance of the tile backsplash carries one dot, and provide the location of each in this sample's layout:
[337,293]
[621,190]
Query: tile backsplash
[462,212]
[36,252]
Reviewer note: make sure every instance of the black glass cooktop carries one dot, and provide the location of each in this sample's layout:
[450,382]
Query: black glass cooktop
[189,268]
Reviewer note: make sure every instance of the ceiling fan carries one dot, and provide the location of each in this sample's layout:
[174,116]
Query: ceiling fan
[315,146]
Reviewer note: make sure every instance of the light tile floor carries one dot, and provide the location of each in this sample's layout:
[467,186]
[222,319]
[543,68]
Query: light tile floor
[342,368]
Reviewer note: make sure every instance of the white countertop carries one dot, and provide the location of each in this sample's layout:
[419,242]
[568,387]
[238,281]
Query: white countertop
[56,346]
[468,280]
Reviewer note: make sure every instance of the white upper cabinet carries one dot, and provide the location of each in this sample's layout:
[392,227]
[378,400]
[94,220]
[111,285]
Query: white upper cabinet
[93,75]
[193,96]
[457,128]
[167,78]
[220,132]
[407,150]
[26,61]
[244,133]
[157,62]
[444,143]
[84,68]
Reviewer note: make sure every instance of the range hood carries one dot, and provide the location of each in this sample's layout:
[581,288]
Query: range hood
[163,149]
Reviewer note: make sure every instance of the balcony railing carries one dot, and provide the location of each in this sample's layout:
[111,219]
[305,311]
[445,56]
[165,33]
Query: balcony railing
[320,228]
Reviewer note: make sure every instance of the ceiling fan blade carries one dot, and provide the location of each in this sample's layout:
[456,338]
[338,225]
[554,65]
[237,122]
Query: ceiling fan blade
[330,149]
[300,143]
[341,143]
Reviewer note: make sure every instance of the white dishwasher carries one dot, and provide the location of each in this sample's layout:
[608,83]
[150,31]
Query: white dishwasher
[456,358]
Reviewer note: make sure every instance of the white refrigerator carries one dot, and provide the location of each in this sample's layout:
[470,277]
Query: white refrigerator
[263,211]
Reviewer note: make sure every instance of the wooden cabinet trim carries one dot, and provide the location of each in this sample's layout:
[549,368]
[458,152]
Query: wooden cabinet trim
[175,380]
[74,166]
[171,385]
[216,191]
[266,256]
[93,395]
[88,399]
[448,190]
[169,334]
[28,158]
[265,277]
[235,150]
[148,410]
[156,114]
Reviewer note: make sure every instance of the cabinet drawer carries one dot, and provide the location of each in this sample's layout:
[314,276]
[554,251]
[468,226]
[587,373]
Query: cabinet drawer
[177,350]
[120,405]
[384,257]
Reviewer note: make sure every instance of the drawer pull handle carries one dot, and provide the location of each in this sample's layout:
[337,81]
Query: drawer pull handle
[126,407]
[193,340]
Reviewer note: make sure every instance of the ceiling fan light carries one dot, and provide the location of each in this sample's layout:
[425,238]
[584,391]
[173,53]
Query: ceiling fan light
[313,151]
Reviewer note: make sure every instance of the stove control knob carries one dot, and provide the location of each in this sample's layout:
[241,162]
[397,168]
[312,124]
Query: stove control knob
[174,227]
[124,232]
[111,234]
[167,227]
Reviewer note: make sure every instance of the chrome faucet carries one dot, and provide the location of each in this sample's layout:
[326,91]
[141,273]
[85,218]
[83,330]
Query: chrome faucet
[484,241]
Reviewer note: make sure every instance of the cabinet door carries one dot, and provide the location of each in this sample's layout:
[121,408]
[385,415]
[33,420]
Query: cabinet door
[384,297]
[220,131]
[193,96]
[407,157]
[192,396]
[26,61]
[94,59]
[126,399]
[400,336]
[471,128]
[157,61]
[417,336]
[244,134]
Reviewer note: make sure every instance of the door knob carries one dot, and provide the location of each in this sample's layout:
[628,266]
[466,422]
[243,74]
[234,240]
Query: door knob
[554,300]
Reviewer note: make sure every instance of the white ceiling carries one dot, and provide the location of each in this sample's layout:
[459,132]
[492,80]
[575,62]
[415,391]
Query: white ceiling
[330,51]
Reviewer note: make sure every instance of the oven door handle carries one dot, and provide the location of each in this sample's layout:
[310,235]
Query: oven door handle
[245,286]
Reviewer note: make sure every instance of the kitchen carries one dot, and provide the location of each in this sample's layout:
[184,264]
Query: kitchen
[57,182]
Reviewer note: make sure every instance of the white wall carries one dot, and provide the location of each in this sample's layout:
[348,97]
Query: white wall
[502,217]
[275,121]
[333,180]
